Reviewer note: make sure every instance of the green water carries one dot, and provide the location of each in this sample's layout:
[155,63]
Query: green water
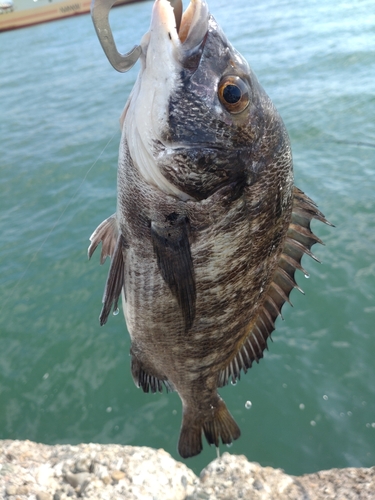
[65,379]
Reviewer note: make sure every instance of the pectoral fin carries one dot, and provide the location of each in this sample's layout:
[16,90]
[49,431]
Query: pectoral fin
[298,242]
[172,250]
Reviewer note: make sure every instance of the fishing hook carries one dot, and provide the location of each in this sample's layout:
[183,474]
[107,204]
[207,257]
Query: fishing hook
[121,62]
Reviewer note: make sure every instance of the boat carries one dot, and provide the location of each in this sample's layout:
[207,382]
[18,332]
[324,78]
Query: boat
[21,13]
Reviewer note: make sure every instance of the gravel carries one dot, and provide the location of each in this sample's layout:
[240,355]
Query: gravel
[113,472]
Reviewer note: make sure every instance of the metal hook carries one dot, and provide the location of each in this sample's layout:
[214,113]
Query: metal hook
[121,62]
[99,14]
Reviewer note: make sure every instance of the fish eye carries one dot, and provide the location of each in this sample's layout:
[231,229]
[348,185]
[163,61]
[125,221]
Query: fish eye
[233,94]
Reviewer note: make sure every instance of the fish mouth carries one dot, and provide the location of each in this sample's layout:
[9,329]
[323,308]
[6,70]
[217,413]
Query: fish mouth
[184,30]
[174,44]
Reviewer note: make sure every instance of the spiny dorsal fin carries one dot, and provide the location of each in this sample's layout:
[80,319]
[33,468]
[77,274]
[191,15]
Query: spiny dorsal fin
[298,242]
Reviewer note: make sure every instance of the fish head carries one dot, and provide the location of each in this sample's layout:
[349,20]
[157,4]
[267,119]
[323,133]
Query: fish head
[197,118]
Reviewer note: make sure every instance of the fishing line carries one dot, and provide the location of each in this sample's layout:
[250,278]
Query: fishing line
[357,143]
[33,258]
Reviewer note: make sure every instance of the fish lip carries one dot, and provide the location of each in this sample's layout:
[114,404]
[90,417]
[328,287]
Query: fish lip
[165,50]
[192,31]
[194,24]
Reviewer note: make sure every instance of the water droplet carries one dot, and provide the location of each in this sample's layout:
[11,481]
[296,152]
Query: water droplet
[285,386]
[174,412]
[325,397]
[307,276]
[233,382]
[109,409]
[368,426]
[248,405]
[301,406]
[116,311]
[45,376]
[342,414]
[349,413]
[373,425]
[229,445]
[313,423]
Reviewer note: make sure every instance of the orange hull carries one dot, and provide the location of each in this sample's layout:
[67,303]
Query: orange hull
[17,18]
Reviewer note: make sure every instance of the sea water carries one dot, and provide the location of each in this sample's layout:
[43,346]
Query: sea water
[65,379]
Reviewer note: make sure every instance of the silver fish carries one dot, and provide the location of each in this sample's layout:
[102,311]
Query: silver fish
[209,227]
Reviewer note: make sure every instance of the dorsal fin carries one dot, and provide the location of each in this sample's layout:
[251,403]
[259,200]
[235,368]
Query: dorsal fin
[298,242]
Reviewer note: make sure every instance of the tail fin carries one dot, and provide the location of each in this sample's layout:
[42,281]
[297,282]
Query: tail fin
[220,424]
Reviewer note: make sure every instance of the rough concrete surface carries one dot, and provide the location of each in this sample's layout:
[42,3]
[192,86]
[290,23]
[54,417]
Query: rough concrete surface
[112,472]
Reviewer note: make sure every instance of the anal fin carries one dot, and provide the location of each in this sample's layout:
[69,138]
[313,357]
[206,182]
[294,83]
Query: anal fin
[147,381]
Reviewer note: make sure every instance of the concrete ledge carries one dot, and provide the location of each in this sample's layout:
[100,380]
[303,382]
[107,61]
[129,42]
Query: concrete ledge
[112,472]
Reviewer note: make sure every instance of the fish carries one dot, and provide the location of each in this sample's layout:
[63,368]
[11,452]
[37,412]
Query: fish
[209,228]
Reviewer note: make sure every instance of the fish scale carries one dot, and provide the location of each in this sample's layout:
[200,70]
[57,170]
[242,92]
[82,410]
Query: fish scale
[209,227]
